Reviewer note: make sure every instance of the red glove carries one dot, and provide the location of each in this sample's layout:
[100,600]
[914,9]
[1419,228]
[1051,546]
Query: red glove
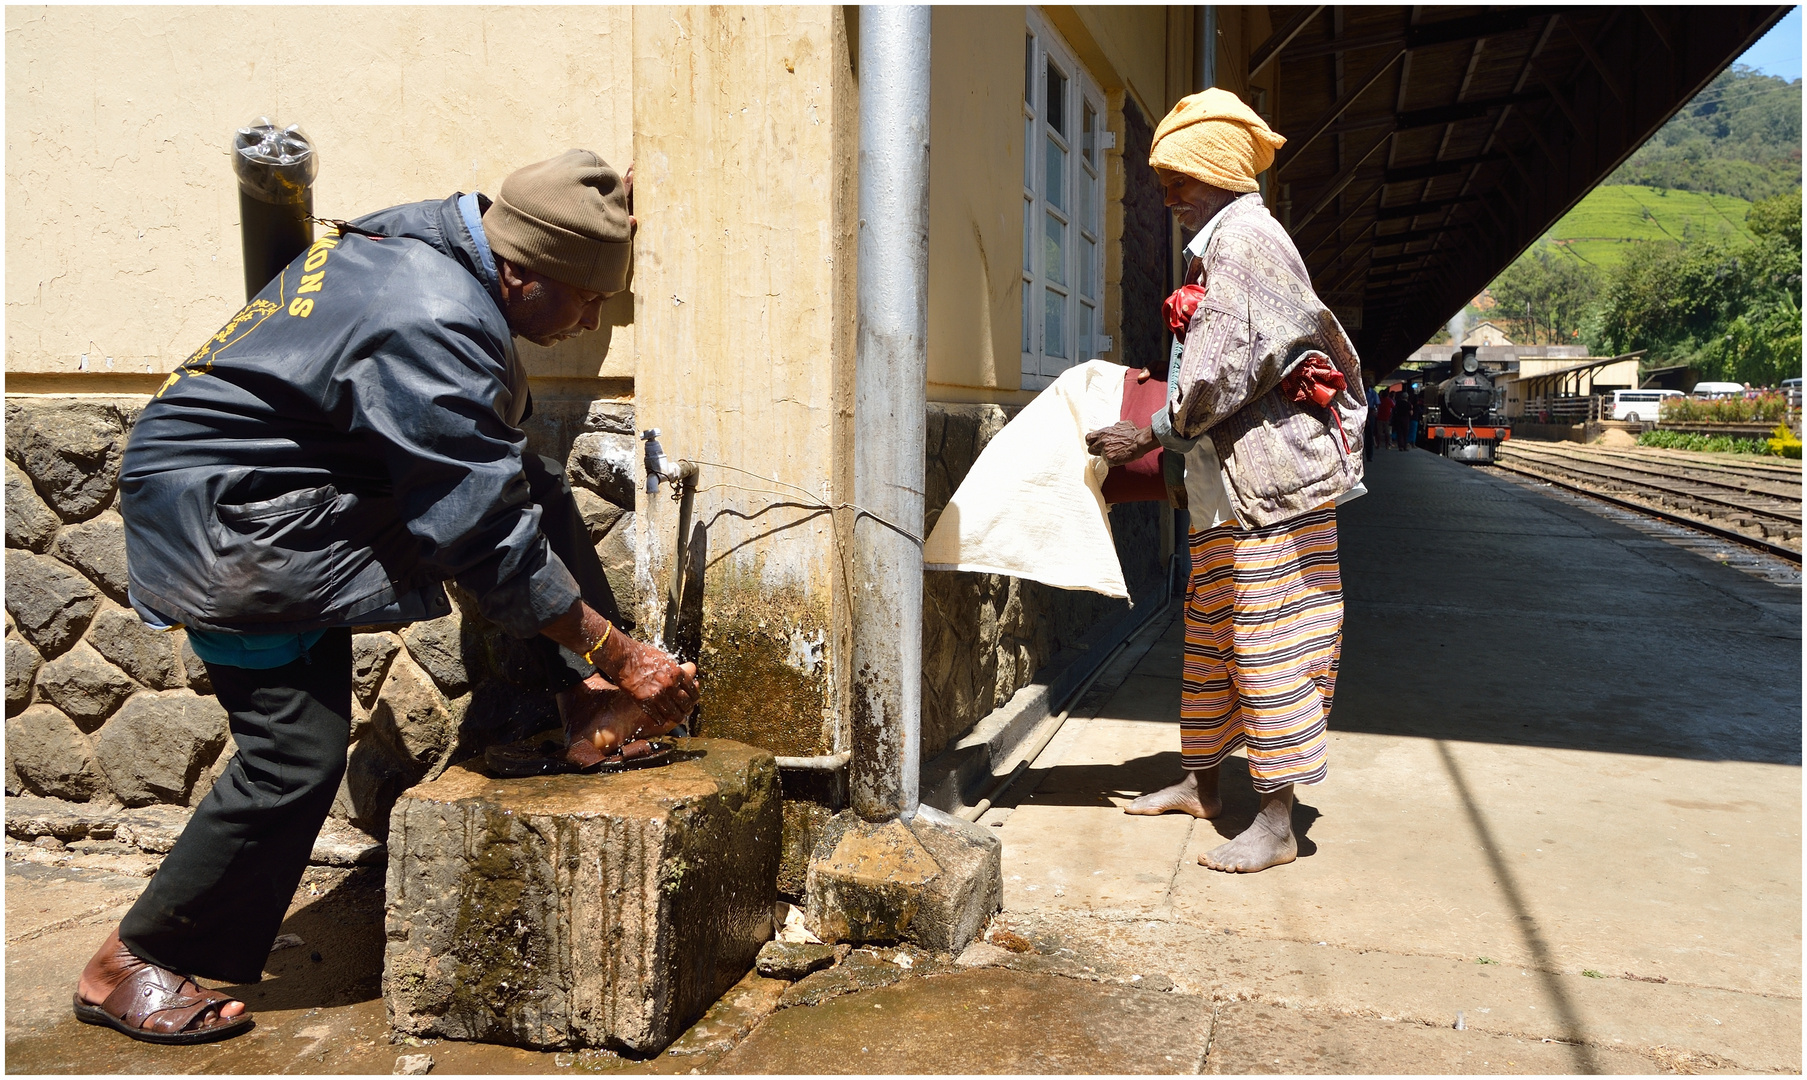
[1181,306]
[1315,379]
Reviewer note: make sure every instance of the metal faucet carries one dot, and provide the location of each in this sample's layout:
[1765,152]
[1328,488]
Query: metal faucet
[658,466]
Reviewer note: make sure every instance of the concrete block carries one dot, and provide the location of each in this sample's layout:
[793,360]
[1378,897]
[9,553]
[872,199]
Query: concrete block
[580,911]
[933,881]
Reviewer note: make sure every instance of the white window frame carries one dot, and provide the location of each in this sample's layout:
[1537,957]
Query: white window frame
[1076,210]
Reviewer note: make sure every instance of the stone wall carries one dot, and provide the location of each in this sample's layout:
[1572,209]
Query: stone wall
[1147,239]
[985,636]
[102,709]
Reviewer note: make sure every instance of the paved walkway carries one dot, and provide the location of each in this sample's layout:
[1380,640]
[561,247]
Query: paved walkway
[1563,808]
[1564,795]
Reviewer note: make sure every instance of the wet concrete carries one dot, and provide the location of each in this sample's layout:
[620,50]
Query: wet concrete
[977,1022]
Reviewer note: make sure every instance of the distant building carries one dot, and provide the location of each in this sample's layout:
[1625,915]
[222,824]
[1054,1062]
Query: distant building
[1486,333]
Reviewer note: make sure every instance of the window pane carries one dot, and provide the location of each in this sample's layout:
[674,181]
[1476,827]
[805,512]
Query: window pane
[1056,110]
[1054,324]
[1085,182]
[1055,190]
[1088,137]
[1028,237]
[1028,153]
[1088,268]
[1028,315]
[1054,250]
[1084,341]
[1029,70]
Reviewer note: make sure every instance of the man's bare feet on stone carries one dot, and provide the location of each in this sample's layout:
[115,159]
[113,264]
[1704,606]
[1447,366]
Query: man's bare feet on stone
[599,718]
[1185,797]
[1267,842]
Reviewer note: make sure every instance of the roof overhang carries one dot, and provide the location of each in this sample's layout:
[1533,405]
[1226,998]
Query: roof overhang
[1428,147]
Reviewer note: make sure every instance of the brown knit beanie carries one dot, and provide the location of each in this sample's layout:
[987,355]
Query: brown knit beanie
[565,218]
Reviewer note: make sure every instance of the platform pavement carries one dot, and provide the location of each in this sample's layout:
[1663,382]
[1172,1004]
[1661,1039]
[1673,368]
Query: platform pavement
[1563,805]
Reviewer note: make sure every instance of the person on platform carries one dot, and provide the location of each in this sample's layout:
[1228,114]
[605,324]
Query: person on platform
[349,441]
[1268,409]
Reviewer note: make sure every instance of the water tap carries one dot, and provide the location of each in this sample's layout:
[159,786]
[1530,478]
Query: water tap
[658,467]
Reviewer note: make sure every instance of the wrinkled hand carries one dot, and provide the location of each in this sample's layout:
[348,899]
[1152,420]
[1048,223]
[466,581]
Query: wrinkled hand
[664,689]
[1121,443]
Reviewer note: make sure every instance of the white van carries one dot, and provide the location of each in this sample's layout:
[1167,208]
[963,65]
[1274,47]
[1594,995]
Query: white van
[1640,406]
[1718,389]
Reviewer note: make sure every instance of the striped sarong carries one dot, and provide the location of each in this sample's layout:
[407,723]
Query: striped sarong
[1264,629]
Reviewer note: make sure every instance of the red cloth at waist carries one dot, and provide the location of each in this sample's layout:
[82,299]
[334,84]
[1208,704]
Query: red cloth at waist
[1140,480]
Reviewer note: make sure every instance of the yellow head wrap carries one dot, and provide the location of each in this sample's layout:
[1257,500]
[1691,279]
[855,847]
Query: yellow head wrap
[1212,136]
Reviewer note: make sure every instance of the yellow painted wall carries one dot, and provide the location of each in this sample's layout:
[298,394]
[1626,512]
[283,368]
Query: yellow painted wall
[975,200]
[746,129]
[975,179]
[122,236]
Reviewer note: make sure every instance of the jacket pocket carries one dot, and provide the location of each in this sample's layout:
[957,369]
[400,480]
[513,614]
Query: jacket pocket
[281,559]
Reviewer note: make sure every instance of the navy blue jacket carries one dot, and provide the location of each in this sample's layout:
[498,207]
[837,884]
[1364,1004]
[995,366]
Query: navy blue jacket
[347,442]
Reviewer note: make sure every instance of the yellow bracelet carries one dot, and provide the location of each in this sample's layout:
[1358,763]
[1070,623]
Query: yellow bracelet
[608,628]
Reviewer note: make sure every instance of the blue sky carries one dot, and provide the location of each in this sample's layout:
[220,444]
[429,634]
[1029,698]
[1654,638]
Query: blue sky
[1779,51]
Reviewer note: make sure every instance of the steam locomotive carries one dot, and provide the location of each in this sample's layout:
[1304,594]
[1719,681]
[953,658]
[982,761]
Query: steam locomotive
[1467,424]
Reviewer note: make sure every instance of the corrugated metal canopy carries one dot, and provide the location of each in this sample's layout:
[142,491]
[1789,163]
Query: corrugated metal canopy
[1429,146]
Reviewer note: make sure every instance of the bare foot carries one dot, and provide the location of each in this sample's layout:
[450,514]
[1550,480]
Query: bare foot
[1184,797]
[113,963]
[1269,841]
[599,718]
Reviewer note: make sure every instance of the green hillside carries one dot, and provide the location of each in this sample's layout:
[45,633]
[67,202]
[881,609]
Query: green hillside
[1612,223]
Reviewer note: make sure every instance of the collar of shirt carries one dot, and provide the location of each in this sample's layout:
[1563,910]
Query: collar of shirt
[473,220]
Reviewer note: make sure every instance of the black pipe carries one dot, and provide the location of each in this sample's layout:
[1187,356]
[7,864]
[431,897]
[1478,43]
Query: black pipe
[275,169]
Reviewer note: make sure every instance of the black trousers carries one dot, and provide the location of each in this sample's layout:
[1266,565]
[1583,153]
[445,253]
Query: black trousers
[217,901]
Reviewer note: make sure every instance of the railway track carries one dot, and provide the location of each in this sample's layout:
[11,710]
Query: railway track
[1752,502]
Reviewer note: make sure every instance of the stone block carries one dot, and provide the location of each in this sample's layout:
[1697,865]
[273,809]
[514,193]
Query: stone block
[370,656]
[51,756]
[159,744]
[30,523]
[933,881]
[614,417]
[22,664]
[153,657]
[193,668]
[50,603]
[616,553]
[411,718]
[85,686]
[604,463]
[793,959]
[599,514]
[437,646]
[374,779]
[70,450]
[29,817]
[580,911]
[96,547]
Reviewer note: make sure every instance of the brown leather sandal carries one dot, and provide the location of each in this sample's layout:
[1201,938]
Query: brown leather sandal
[159,1006]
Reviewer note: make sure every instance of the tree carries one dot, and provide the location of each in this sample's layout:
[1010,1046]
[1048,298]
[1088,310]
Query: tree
[1732,311]
[1556,288]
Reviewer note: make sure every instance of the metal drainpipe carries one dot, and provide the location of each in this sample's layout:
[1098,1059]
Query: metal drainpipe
[1204,47]
[890,407]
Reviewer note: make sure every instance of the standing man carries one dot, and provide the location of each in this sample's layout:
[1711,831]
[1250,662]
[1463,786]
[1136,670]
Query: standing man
[349,441]
[1268,409]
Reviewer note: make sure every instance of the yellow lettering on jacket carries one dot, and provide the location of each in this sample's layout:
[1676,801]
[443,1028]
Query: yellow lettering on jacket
[311,282]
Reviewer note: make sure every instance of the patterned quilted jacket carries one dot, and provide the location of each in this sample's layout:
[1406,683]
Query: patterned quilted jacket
[1260,317]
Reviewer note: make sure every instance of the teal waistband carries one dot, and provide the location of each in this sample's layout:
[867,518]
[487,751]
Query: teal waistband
[254,651]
